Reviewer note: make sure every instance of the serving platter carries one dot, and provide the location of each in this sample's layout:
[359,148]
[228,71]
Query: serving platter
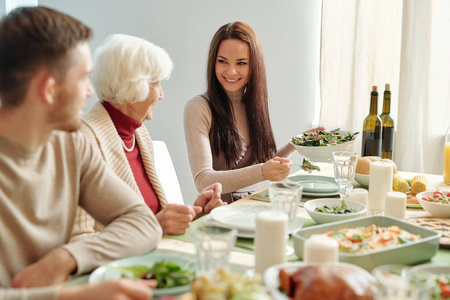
[107,272]
[407,253]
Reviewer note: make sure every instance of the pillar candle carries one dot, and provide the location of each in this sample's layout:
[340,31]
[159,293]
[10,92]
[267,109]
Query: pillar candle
[320,248]
[380,182]
[359,195]
[270,239]
[395,205]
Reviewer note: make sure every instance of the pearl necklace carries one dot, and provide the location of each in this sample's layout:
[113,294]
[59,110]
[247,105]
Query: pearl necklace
[132,146]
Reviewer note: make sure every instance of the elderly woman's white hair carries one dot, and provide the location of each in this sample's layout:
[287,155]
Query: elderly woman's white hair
[125,65]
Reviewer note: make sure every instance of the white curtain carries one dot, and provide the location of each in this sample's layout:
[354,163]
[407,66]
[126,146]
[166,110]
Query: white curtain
[403,43]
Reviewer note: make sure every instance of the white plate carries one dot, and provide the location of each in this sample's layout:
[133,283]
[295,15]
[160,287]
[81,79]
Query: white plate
[104,273]
[250,234]
[239,216]
[272,282]
[319,194]
[316,183]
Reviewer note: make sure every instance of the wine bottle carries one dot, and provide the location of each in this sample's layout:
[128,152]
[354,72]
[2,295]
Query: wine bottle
[371,139]
[388,132]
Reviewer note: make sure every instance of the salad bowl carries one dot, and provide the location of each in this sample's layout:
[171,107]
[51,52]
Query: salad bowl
[321,217]
[318,146]
[437,208]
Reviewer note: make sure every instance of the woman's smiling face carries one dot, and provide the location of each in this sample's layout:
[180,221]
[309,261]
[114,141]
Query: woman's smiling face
[233,65]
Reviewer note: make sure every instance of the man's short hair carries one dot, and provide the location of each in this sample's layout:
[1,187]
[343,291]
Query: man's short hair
[32,38]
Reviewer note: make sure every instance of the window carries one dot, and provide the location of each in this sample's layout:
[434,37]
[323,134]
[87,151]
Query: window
[11,4]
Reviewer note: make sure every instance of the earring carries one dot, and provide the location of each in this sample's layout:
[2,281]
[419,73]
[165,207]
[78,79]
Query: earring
[245,89]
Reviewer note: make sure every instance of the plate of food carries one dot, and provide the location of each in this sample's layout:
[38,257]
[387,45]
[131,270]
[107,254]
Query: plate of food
[374,241]
[319,281]
[317,146]
[239,216]
[173,274]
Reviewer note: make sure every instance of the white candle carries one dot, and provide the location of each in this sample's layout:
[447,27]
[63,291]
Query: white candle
[270,239]
[320,248]
[359,195]
[380,182]
[395,205]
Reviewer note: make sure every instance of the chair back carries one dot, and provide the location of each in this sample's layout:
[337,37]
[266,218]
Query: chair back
[166,173]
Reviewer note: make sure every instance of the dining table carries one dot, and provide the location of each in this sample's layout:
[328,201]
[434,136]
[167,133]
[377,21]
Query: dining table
[242,256]
[243,252]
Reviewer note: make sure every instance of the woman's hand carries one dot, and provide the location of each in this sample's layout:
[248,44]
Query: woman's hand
[276,169]
[315,129]
[121,289]
[176,218]
[209,199]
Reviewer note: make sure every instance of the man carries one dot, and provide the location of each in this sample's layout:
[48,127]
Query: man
[47,169]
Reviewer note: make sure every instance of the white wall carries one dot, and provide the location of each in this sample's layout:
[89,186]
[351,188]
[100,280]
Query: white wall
[288,31]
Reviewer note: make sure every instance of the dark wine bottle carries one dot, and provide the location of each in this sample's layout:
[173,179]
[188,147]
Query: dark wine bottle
[388,131]
[371,139]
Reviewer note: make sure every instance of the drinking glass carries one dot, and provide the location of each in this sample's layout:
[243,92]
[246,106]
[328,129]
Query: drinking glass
[213,246]
[344,165]
[285,197]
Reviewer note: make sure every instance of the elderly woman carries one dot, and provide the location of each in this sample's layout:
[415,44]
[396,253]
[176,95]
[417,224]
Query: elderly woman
[127,78]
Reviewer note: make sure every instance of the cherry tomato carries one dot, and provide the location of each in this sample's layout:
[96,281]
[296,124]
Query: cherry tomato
[426,198]
[437,194]
[445,291]
[448,194]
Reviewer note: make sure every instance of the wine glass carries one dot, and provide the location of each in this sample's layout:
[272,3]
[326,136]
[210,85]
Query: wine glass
[344,165]
[285,197]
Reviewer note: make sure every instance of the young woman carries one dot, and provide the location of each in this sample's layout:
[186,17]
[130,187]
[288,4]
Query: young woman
[228,132]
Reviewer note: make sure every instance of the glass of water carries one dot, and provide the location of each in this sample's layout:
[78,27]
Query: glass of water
[344,165]
[285,197]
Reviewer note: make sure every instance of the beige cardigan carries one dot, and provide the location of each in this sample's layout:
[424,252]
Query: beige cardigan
[100,130]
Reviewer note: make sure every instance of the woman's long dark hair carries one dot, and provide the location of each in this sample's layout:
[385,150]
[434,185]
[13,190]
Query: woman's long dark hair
[225,137]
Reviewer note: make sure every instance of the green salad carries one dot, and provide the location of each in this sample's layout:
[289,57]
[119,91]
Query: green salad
[167,274]
[323,138]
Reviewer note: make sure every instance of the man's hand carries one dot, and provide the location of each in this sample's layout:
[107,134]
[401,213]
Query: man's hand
[52,269]
[209,199]
[122,289]
[176,218]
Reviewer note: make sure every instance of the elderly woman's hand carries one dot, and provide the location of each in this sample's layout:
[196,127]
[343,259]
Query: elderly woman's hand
[176,218]
[209,199]
[276,169]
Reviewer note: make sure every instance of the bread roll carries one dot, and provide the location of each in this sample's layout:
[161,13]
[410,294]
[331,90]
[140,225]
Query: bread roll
[391,162]
[373,158]
[363,165]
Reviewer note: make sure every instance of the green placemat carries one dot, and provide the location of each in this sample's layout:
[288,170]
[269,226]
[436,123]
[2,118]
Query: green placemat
[242,244]
[264,196]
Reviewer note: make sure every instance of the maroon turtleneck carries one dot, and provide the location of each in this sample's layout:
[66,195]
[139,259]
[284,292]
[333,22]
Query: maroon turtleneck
[126,127]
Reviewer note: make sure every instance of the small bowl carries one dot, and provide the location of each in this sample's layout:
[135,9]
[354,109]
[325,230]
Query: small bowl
[320,217]
[423,277]
[436,209]
[362,179]
[323,153]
